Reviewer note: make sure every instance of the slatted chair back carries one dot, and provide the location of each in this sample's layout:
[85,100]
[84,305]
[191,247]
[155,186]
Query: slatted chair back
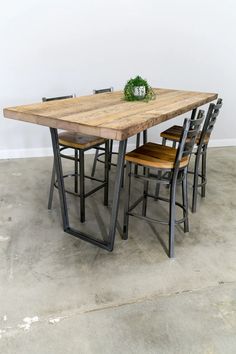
[212,114]
[103,90]
[189,135]
[47,99]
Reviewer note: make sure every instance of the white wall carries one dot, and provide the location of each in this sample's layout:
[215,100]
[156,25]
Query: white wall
[56,47]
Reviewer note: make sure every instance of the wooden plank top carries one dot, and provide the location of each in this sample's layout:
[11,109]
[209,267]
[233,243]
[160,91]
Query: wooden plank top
[107,115]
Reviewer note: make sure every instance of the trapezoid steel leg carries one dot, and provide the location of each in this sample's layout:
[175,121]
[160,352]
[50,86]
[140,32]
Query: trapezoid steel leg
[109,243]
[50,198]
[59,173]
[116,195]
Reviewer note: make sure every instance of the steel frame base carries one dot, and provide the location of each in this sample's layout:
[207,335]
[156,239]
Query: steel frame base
[105,244]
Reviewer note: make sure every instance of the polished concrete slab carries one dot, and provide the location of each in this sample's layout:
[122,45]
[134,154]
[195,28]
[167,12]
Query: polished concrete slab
[59,294]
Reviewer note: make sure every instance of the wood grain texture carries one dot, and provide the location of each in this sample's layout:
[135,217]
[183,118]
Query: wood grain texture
[155,155]
[107,115]
[174,134]
[79,141]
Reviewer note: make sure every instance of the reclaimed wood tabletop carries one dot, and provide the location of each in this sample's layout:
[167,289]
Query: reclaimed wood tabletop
[108,115]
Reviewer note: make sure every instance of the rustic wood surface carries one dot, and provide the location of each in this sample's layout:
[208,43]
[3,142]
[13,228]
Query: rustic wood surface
[107,115]
[155,155]
[79,141]
[174,134]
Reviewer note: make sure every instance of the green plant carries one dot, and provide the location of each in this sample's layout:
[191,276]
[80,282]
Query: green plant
[138,81]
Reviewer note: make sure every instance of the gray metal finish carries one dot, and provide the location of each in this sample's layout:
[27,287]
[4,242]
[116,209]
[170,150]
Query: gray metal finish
[137,145]
[106,173]
[145,192]
[81,182]
[170,177]
[59,173]
[76,171]
[185,200]
[51,190]
[201,153]
[47,99]
[127,200]
[105,244]
[103,90]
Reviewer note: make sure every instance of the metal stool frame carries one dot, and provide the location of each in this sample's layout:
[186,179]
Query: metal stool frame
[79,171]
[170,177]
[201,152]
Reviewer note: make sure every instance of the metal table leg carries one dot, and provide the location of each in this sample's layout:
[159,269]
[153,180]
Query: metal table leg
[59,173]
[109,243]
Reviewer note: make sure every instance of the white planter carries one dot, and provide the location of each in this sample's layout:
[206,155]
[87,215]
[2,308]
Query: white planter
[139,91]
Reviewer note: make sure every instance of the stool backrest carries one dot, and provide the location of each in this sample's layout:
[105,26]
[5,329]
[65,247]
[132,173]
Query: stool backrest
[190,132]
[210,120]
[103,90]
[47,99]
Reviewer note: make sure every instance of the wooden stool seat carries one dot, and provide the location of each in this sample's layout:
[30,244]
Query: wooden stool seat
[79,141]
[155,155]
[174,134]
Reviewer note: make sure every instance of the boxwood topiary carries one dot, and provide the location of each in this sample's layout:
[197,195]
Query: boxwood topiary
[138,81]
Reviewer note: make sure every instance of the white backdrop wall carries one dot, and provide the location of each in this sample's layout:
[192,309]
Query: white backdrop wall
[57,47]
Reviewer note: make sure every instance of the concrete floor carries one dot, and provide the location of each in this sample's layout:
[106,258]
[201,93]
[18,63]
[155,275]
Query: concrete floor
[61,295]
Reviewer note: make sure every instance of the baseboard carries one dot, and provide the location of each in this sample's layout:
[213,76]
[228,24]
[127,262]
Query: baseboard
[24,153]
[41,152]
[222,142]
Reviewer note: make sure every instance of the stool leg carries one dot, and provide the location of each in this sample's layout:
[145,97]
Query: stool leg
[51,187]
[110,153]
[158,185]
[106,173]
[185,201]
[204,156]
[76,171]
[173,145]
[172,216]
[195,182]
[94,162]
[163,141]
[144,142]
[123,178]
[144,136]
[81,181]
[137,145]
[159,175]
[145,192]
[127,200]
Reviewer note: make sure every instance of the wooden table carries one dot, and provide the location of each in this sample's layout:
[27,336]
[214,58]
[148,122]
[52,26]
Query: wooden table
[105,115]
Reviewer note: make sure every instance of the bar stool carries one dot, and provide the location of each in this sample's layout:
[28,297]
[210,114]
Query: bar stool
[80,144]
[173,164]
[174,133]
[98,154]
